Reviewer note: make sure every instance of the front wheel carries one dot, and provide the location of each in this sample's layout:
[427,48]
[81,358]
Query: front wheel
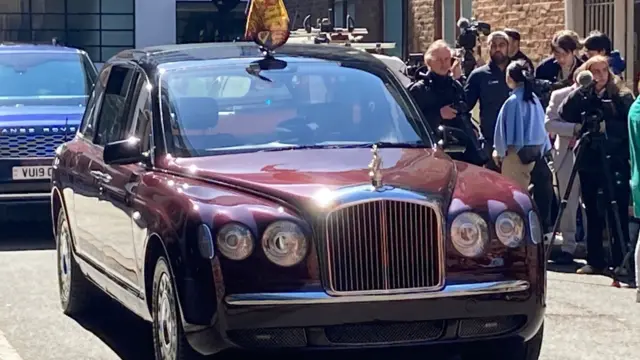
[77,294]
[169,341]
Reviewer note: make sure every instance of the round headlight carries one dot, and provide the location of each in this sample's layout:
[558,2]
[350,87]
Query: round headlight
[284,243]
[469,234]
[535,228]
[510,229]
[235,241]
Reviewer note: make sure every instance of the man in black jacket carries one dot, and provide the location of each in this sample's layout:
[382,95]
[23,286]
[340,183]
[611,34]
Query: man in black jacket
[488,85]
[514,48]
[441,98]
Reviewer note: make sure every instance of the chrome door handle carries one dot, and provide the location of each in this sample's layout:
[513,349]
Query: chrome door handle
[100,176]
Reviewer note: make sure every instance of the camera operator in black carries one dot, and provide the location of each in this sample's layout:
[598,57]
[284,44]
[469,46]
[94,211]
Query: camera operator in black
[615,102]
[441,98]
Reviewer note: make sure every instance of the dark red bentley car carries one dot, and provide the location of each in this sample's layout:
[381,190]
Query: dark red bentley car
[293,201]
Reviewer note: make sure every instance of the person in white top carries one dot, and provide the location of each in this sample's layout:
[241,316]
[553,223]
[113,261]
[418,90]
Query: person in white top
[563,160]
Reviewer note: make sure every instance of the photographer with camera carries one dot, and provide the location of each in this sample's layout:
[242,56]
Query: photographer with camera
[442,101]
[514,48]
[599,111]
[520,137]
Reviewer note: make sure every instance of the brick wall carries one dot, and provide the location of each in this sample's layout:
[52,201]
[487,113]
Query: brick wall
[536,20]
[422,24]
[368,14]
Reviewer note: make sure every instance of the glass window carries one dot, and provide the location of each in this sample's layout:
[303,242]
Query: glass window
[220,109]
[47,22]
[49,6]
[466,8]
[111,122]
[82,6]
[117,38]
[15,6]
[449,21]
[44,76]
[205,22]
[117,6]
[117,22]
[142,118]
[338,13]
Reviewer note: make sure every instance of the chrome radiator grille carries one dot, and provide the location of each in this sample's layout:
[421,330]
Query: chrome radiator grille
[35,145]
[383,246]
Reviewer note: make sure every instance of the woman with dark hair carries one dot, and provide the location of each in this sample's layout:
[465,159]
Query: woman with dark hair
[520,138]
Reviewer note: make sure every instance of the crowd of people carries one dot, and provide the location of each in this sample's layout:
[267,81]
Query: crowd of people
[533,138]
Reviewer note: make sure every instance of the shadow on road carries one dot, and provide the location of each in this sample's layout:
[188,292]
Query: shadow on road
[19,236]
[125,333]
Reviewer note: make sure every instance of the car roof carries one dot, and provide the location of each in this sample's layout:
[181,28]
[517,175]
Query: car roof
[156,56]
[13,47]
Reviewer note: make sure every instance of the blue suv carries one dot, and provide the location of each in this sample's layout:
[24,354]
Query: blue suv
[42,99]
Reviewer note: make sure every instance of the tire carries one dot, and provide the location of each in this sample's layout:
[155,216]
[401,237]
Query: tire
[77,294]
[169,341]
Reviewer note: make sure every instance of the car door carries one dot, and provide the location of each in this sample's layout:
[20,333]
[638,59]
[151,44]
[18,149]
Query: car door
[120,184]
[83,186]
[97,222]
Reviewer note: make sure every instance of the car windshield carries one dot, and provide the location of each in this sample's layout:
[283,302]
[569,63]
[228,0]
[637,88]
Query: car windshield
[226,108]
[44,77]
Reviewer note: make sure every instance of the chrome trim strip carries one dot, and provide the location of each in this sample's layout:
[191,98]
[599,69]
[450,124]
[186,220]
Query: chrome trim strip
[25,196]
[309,298]
[390,197]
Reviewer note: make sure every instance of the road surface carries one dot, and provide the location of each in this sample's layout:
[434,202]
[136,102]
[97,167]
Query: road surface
[586,318]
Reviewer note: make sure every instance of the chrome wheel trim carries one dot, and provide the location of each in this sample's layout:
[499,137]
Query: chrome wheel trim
[166,325]
[64,262]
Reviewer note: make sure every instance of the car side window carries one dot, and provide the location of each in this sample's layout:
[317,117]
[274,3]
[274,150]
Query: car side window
[112,120]
[88,125]
[141,115]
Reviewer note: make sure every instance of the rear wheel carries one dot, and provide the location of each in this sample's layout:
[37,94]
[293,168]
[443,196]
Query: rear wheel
[76,292]
[169,340]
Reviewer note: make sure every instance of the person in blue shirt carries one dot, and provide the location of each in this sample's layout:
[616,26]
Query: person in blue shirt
[520,138]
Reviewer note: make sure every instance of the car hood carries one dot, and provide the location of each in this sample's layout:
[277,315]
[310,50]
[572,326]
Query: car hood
[36,116]
[298,175]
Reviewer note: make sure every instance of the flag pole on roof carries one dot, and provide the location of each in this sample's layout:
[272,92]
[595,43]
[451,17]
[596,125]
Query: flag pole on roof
[267,24]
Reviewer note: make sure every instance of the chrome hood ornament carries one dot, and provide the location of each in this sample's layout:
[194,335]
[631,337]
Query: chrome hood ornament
[375,168]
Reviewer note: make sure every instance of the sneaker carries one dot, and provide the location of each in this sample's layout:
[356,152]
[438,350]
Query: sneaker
[564,258]
[589,270]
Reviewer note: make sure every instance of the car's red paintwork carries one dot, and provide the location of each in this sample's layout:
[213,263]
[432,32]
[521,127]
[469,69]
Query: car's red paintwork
[161,205]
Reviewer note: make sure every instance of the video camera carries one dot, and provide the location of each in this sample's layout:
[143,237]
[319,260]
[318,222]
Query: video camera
[470,31]
[415,63]
[543,89]
[594,107]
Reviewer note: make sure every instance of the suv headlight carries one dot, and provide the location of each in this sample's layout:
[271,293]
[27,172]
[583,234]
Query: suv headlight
[469,234]
[510,229]
[235,241]
[284,243]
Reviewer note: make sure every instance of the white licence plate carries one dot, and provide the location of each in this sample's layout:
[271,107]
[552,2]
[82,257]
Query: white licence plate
[32,172]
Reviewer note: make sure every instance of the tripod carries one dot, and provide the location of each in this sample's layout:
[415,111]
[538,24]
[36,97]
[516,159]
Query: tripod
[596,139]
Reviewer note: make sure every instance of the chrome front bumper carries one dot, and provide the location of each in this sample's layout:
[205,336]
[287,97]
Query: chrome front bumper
[305,298]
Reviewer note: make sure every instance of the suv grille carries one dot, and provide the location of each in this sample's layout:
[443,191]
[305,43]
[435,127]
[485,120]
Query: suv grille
[23,146]
[383,245]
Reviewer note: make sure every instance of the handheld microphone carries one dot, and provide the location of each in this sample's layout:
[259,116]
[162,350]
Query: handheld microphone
[584,79]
